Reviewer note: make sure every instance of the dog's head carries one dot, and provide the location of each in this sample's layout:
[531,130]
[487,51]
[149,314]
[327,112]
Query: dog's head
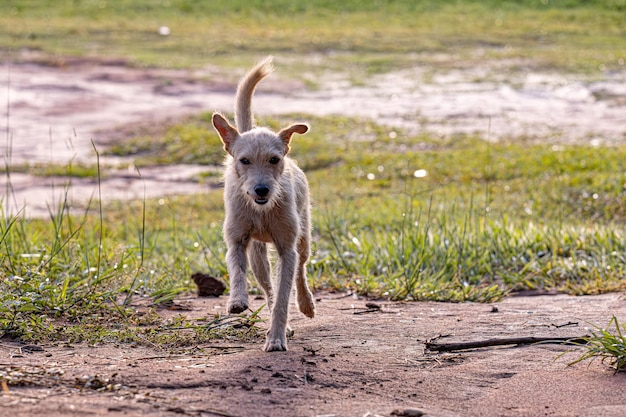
[258,158]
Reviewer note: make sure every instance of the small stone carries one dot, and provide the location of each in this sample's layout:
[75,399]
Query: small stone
[408,412]
[164,31]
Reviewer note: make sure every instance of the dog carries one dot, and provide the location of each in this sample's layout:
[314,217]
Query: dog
[266,200]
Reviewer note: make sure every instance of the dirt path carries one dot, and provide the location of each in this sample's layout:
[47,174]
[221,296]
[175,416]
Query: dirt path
[345,362]
[52,114]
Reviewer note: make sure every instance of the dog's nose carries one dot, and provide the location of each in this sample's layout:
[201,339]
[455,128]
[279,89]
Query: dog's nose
[261,190]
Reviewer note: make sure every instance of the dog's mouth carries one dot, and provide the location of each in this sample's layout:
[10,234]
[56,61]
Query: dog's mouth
[261,201]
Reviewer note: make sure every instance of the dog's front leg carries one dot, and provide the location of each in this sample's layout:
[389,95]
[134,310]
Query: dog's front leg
[257,256]
[237,264]
[276,337]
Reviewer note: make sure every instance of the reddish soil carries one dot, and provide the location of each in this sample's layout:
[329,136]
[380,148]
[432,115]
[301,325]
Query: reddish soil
[348,361]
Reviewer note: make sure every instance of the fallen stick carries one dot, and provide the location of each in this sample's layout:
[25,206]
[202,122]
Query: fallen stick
[449,347]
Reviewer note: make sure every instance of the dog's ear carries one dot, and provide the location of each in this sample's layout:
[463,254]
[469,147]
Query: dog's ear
[285,134]
[227,133]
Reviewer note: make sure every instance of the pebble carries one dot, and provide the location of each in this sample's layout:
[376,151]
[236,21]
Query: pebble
[408,412]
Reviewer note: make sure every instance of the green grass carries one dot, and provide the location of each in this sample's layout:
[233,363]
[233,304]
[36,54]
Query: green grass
[81,170]
[188,141]
[364,36]
[481,220]
[607,344]
[401,216]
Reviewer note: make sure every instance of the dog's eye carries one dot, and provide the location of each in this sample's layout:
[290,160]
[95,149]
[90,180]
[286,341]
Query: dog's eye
[245,161]
[274,160]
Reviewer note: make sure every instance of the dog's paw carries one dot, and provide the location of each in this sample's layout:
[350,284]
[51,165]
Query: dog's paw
[275,345]
[237,306]
[306,305]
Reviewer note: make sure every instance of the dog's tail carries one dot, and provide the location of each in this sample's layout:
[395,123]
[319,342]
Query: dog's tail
[245,90]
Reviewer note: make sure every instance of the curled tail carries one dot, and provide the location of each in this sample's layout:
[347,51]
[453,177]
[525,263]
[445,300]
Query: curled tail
[245,90]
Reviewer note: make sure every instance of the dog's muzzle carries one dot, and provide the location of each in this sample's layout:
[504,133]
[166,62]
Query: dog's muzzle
[261,192]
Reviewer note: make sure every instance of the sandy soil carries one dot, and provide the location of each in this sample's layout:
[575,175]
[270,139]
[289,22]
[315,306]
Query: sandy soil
[348,361]
[53,113]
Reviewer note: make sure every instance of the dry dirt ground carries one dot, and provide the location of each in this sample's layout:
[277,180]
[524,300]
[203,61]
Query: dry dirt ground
[350,360]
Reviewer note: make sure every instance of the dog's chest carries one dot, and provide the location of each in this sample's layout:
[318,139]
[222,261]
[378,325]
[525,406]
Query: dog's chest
[261,229]
[262,234]
[274,225]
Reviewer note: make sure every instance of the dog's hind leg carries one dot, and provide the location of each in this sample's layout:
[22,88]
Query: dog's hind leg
[257,256]
[305,298]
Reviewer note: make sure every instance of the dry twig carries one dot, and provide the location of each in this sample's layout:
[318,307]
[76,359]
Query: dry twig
[530,340]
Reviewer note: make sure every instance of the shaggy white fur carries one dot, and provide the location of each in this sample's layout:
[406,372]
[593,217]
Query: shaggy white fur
[266,198]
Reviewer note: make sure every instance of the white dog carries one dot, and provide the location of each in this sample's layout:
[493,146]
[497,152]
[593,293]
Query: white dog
[266,198]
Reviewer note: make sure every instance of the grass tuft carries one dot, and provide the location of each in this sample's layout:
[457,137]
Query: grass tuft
[607,344]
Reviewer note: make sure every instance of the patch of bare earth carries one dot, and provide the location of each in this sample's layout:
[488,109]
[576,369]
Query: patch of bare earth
[350,360]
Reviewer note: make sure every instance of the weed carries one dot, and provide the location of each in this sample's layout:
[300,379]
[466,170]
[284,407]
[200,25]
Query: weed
[606,344]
